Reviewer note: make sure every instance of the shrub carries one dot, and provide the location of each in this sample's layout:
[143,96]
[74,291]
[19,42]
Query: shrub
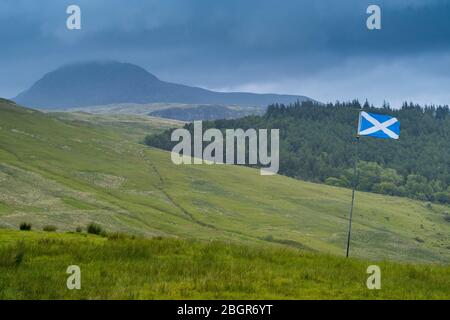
[12,256]
[442,197]
[337,182]
[24,226]
[79,229]
[49,228]
[94,228]
[446,216]
[117,236]
[420,240]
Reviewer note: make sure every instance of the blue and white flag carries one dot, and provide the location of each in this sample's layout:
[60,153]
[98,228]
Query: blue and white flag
[378,125]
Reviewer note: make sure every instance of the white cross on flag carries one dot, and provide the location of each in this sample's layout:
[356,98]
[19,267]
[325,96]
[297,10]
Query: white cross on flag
[378,125]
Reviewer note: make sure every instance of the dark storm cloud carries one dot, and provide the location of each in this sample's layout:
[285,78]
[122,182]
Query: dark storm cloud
[288,46]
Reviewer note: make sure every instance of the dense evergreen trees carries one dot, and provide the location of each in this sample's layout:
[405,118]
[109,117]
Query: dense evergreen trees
[317,144]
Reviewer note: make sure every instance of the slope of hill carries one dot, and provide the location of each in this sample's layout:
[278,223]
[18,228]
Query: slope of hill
[178,269]
[129,126]
[101,83]
[67,173]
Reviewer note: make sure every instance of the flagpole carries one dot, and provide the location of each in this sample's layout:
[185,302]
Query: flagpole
[354,182]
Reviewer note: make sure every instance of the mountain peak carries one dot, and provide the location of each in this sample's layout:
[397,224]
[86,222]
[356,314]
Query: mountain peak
[110,67]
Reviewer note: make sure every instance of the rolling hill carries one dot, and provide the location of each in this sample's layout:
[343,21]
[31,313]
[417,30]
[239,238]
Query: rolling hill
[104,83]
[69,170]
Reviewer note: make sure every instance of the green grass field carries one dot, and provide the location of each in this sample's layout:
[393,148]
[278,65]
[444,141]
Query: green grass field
[68,170]
[35,268]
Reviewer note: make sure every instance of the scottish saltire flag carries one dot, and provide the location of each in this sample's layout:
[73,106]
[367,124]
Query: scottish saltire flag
[378,125]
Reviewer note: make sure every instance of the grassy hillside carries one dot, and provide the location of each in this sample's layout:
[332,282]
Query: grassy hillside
[59,171]
[178,269]
[130,127]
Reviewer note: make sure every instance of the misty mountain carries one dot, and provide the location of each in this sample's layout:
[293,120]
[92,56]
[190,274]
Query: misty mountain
[101,83]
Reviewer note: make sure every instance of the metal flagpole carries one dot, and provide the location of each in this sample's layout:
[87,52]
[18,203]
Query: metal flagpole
[354,182]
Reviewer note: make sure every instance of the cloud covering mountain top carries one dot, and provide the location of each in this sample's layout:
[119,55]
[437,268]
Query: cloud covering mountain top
[320,48]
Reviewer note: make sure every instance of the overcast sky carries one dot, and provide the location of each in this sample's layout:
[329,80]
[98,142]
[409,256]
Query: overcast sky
[318,48]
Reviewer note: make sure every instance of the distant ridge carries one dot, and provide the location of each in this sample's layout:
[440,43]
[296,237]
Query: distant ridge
[101,83]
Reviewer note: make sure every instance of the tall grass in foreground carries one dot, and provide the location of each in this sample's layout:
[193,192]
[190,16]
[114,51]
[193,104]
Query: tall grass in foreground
[123,268]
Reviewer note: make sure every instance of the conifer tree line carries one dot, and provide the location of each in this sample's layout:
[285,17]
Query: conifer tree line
[317,143]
